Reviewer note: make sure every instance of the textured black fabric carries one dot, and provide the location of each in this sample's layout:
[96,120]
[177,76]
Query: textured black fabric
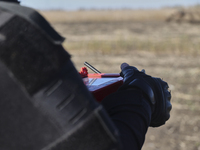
[26,124]
[131,113]
[35,19]
[43,101]
[22,125]
[91,136]
[13,1]
[32,57]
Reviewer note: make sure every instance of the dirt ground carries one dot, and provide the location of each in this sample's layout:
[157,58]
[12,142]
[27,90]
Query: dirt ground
[179,66]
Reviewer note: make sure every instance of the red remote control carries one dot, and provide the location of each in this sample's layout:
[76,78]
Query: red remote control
[100,84]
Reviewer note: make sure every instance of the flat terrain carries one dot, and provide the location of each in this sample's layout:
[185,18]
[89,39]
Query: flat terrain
[144,39]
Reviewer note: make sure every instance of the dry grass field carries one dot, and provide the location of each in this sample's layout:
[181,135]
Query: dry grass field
[142,38]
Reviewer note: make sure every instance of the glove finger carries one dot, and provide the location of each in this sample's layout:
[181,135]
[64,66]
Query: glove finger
[124,65]
[143,71]
[127,72]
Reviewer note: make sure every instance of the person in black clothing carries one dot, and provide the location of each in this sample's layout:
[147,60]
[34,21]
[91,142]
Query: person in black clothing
[45,105]
[142,101]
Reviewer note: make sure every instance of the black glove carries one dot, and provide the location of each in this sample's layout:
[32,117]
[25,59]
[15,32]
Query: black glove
[155,90]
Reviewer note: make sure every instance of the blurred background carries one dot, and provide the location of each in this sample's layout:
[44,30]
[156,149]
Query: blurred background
[162,37]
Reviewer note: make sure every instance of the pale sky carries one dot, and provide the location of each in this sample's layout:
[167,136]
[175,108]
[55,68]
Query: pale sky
[104,4]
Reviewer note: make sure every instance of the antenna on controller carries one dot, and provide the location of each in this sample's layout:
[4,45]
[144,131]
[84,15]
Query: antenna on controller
[91,67]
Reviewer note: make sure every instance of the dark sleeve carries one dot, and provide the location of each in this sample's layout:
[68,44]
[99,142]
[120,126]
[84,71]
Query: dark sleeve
[131,113]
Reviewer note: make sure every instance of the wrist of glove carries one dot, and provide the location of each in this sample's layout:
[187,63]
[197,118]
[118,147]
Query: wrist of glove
[154,89]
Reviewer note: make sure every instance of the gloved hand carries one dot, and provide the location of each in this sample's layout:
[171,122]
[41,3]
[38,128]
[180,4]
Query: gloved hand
[154,89]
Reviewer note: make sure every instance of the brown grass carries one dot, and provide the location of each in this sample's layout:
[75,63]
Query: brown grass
[143,38]
[106,15]
[181,46]
[146,31]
